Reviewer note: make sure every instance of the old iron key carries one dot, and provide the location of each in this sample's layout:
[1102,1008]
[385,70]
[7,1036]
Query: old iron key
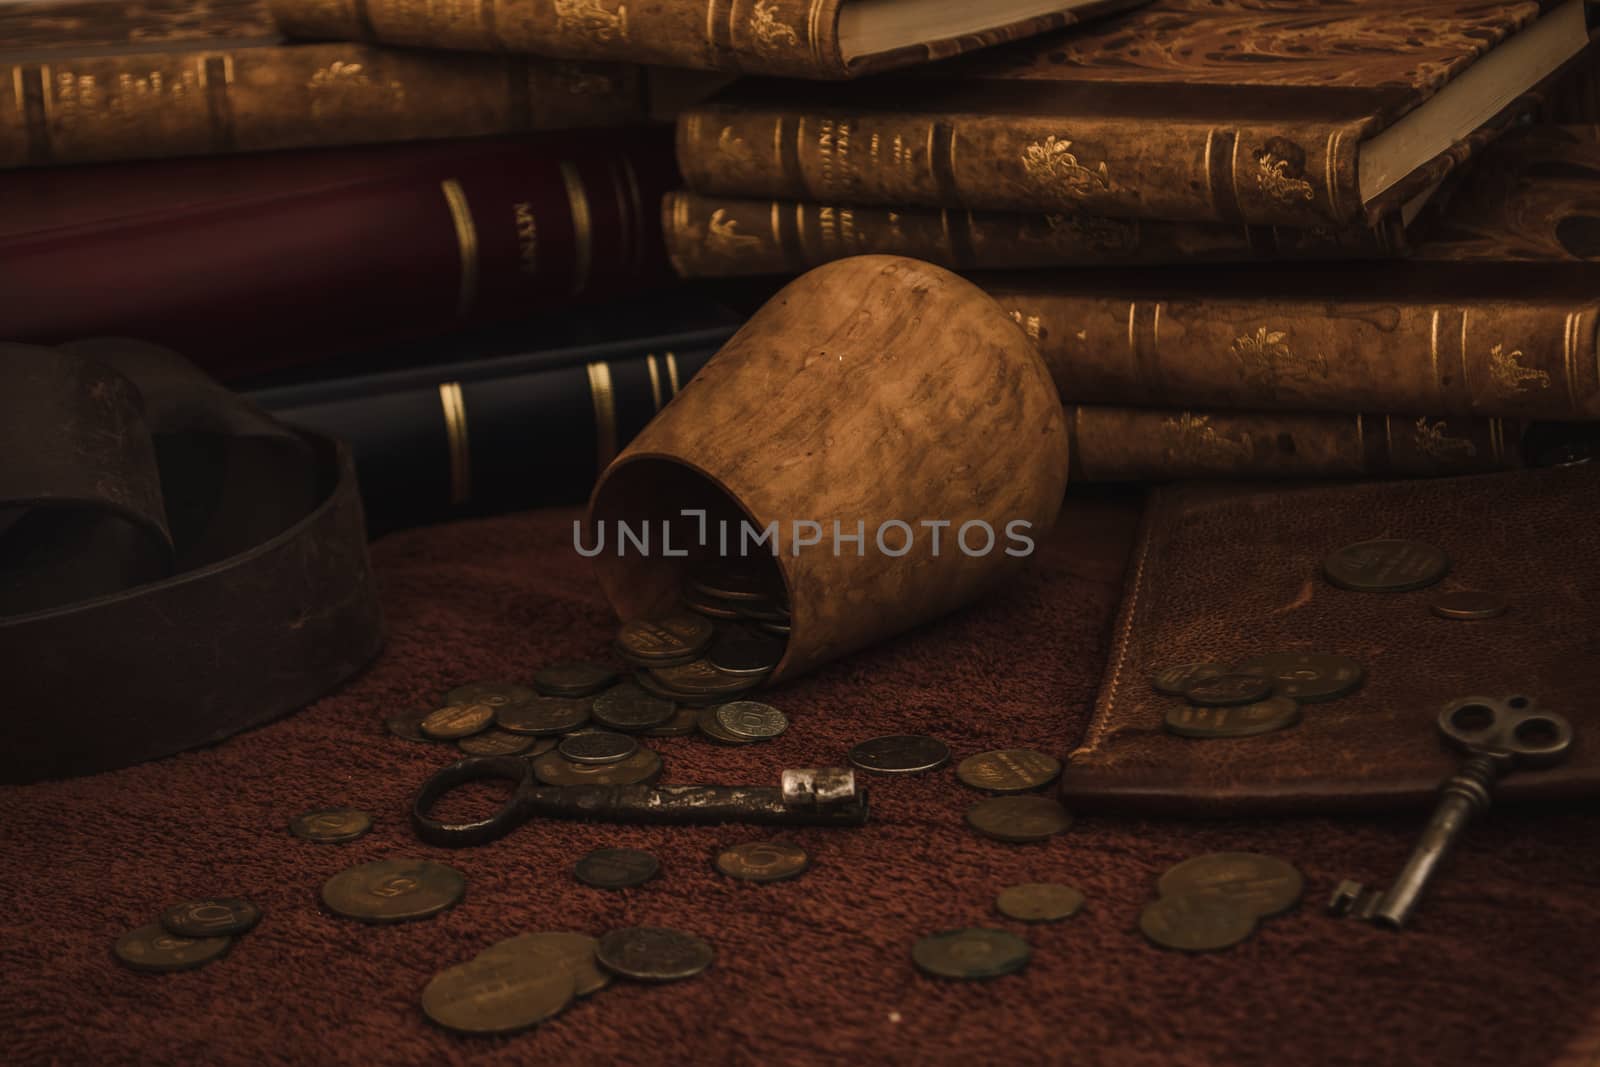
[1497,736]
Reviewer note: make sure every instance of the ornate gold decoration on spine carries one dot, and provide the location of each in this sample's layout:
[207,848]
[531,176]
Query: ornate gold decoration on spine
[722,235]
[466,241]
[769,33]
[655,381]
[1050,166]
[605,414]
[455,432]
[1508,373]
[591,19]
[1199,441]
[738,161]
[582,227]
[1265,359]
[1076,233]
[1431,440]
[346,88]
[1274,179]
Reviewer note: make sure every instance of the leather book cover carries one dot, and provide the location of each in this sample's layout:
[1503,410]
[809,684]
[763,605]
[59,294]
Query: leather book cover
[86,81]
[249,263]
[789,38]
[1223,575]
[1496,314]
[1268,112]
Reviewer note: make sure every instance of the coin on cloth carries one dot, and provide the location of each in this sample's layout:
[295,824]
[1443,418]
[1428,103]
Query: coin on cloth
[676,637]
[331,826]
[544,716]
[641,768]
[900,754]
[740,651]
[751,720]
[557,949]
[494,694]
[497,741]
[1469,604]
[653,953]
[574,679]
[1386,566]
[684,721]
[971,953]
[763,861]
[1009,770]
[709,725]
[1039,902]
[597,746]
[457,720]
[700,677]
[616,868]
[211,917]
[408,724]
[1241,720]
[393,890]
[1308,677]
[1263,885]
[627,707]
[1018,819]
[152,948]
[1196,922]
[1174,680]
[1223,690]
[497,995]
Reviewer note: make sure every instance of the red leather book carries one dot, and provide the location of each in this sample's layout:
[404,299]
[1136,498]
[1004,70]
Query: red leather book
[250,263]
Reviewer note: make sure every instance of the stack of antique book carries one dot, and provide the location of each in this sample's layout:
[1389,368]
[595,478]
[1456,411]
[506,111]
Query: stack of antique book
[1251,238]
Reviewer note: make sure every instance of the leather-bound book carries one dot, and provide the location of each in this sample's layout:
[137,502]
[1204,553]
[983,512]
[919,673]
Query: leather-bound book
[1268,112]
[790,38]
[253,262]
[1497,314]
[94,80]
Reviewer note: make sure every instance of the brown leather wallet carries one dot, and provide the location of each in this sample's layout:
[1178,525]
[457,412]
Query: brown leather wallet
[1223,575]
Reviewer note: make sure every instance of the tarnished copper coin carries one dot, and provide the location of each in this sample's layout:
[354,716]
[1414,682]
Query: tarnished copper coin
[710,726]
[499,994]
[457,720]
[701,677]
[1222,690]
[331,826]
[629,708]
[711,607]
[684,721]
[653,954]
[1239,720]
[574,679]
[1308,677]
[1039,902]
[1018,819]
[737,578]
[497,741]
[751,720]
[1263,885]
[643,767]
[1173,681]
[597,746]
[544,716]
[742,652]
[972,953]
[763,861]
[557,949]
[494,694]
[616,868]
[1196,922]
[408,724]
[393,890]
[153,949]
[1469,604]
[1386,566]
[212,917]
[900,754]
[1008,770]
[646,642]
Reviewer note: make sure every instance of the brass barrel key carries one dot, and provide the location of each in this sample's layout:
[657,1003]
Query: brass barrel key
[1497,735]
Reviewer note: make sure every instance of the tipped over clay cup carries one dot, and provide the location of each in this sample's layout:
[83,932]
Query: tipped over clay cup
[883,394]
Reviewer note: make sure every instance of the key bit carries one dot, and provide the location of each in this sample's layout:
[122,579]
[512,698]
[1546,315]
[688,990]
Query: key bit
[1353,900]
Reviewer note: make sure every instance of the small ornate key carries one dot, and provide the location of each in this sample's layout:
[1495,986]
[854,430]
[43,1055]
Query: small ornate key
[1497,736]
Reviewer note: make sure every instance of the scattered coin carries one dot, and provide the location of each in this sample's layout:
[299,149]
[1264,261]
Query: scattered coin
[544,715]
[708,724]
[1308,677]
[574,679]
[1469,604]
[151,948]
[700,677]
[643,767]
[684,721]
[1196,922]
[1018,819]
[331,826]
[497,994]
[1239,720]
[1008,770]
[494,694]
[971,953]
[1039,902]
[1263,885]
[900,754]
[1386,566]
[649,684]
[497,741]
[408,724]
[1173,681]
[393,890]
[751,720]
[763,861]
[616,868]
[597,746]
[1222,690]
[457,720]
[676,637]
[627,707]
[559,949]
[213,917]
[739,651]
[653,954]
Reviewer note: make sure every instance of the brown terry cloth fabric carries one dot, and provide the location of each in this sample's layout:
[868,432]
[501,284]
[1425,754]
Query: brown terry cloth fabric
[1500,968]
